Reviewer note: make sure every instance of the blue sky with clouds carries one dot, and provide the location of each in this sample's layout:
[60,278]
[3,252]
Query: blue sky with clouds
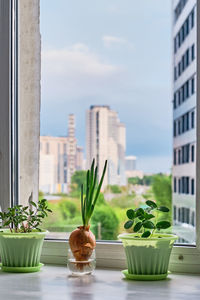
[110,52]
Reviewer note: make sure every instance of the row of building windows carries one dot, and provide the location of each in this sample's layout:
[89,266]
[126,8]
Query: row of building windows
[184,92]
[184,215]
[59,175]
[184,31]
[185,61]
[47,150]
[58,172]
[184,185]
[184,123]
[65,176]
[184,154]
[62,159]
[65,160]
[179,7]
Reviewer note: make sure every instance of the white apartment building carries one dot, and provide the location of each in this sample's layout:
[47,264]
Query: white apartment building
[60,157]
[106,139]
[184,118]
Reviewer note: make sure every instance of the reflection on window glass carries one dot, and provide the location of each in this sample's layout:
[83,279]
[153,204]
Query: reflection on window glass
[106,94]
[184,109]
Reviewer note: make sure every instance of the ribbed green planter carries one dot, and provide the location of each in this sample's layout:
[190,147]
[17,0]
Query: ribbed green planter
[21,249]
[148,256]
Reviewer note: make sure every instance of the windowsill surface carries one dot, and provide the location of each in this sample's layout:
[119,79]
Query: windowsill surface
[54,282]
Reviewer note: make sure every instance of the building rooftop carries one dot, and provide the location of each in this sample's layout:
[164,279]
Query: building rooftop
[95,106]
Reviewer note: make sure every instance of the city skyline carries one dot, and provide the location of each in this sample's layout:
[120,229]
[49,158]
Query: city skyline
[61,157]
[110,63]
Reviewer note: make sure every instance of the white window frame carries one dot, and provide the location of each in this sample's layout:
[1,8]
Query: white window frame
[108,254]
[4,105]
[8,105]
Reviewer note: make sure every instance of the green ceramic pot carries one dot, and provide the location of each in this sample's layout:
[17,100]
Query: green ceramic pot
[148,256]
[21,250]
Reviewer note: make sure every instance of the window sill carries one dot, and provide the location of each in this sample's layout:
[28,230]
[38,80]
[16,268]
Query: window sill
[111,255]
[54,282]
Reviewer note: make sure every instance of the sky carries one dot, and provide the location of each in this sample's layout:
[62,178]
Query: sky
[110,52]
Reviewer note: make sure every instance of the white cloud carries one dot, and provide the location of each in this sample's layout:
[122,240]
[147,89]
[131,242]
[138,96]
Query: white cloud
[75,60]
[110,40]
[76,70]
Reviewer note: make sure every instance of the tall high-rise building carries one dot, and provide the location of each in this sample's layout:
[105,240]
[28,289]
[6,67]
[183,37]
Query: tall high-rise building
[60,157]
[72,147]
[106,139]
[184,118]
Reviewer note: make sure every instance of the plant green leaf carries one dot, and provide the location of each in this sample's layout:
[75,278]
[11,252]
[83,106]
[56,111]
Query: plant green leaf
[92,194]
[33,203]
[91,179]
[137,227]
[82,205]
[38,229]
[152,204]
[163,225]
[7,223]
[100,183]
[139,212]
[148,216]
[146,234]
[128,224]
[148,224]
[130,213]
[87,186]
[163,209]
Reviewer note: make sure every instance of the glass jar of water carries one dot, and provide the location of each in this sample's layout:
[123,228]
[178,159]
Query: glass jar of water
[78,268]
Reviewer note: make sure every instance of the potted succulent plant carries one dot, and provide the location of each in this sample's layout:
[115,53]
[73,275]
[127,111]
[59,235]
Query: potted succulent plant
[148,249]
[82,241]
[21,238]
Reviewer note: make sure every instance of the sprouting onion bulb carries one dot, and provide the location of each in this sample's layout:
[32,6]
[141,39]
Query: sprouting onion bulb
[82,240]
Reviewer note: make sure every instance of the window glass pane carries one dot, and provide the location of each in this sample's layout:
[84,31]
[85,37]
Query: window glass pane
[106,94]
[185,141]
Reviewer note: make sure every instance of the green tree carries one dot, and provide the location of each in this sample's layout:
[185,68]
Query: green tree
[68,209]
[162,190]
[101,200]
[134,180]
[78,178]
[146,180]
[115,189]
[108,220]
[124,201]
